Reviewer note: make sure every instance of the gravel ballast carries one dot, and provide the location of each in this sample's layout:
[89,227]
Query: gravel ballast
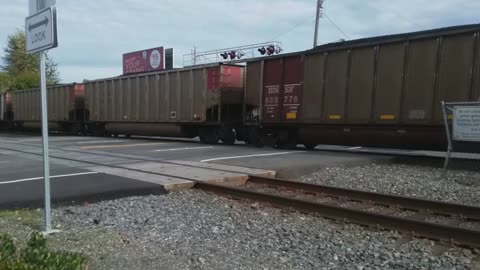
[198,230]
[420,181]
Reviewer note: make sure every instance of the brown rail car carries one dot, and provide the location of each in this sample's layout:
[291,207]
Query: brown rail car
[65,108]
[199,101]
[383,91]
[5,110]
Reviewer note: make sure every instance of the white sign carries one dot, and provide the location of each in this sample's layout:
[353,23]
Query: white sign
[36,5]
[155,59]
[466,123]
[41,30]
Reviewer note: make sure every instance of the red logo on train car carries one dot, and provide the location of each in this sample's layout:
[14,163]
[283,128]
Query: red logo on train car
[213,79]
[78,90]
[8,98]
[232,76]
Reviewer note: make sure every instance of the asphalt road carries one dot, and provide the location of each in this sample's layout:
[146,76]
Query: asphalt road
[21,174]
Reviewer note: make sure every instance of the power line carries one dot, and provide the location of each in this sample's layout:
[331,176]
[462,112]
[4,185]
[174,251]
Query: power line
[336,26]
[293,28]
[407,19]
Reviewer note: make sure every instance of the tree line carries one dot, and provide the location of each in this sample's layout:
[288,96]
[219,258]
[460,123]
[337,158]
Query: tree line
[20,70]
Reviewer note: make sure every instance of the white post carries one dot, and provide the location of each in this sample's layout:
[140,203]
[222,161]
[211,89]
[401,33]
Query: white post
[46,166]
[317,18]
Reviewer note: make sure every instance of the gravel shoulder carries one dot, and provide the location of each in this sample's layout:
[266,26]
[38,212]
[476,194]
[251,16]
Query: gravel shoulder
[198,230]
[415,178]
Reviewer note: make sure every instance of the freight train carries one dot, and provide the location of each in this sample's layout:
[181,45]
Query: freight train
[382,91]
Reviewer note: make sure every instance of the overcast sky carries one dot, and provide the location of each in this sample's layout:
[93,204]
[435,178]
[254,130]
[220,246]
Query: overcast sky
[93,35]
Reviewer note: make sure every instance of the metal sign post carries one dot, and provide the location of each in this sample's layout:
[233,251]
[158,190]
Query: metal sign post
[41,35]
[46,162]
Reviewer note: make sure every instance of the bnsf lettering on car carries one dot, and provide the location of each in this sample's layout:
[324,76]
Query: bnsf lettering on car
[273,90]
[289,88]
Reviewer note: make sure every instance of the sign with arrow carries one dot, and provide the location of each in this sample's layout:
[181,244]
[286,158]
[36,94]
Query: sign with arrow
[41,30]
[41,35]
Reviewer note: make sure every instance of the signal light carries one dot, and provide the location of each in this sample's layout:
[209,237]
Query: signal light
[262,50]
[270,50]
[224,55]
[232,55]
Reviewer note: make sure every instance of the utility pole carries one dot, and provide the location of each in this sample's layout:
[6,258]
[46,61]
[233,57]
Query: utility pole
[317,18]
[194,54]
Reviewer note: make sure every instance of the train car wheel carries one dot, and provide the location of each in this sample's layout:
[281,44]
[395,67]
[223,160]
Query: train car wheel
[289,144]
[209,135]
[203,134]
[286,140]
[310,146]
[228,136]
[256,138]
[213,137]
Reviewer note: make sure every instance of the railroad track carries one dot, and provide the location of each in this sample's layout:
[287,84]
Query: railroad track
[448,223]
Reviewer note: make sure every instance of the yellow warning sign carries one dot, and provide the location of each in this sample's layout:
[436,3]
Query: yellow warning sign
[387,117]
[292,115]
[335,117]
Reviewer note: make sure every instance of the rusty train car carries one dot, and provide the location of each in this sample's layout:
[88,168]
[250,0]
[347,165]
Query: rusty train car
[200,101]
[383,91]
[65,108]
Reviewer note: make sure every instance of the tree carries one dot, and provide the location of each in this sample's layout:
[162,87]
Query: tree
[21,68]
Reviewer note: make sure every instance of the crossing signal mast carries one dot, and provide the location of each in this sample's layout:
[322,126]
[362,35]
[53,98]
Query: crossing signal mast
[270,50]
[233,54]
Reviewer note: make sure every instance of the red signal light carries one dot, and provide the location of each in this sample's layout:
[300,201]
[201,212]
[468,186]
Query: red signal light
[232,55]
[271,50]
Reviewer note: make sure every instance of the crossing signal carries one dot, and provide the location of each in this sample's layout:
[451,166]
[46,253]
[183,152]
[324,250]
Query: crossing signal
[270,50]
[224,55]
[232,55]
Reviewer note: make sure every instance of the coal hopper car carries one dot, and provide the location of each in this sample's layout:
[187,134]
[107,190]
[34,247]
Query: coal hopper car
[65,109]
[201,101]
[383,91]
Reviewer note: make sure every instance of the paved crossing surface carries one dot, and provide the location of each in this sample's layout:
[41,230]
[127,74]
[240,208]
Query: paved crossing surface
[84,168]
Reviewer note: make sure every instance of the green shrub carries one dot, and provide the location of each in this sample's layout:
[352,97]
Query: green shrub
[36,256]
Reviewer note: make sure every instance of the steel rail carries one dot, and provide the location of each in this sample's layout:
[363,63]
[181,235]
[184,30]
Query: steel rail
[443,233]
[466,211]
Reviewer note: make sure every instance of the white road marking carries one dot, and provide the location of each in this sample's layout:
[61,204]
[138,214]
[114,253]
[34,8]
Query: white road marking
[40,178]
[50,138]
[118,146]
[111,141]
[354,148]
[184,148]
[257,155]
